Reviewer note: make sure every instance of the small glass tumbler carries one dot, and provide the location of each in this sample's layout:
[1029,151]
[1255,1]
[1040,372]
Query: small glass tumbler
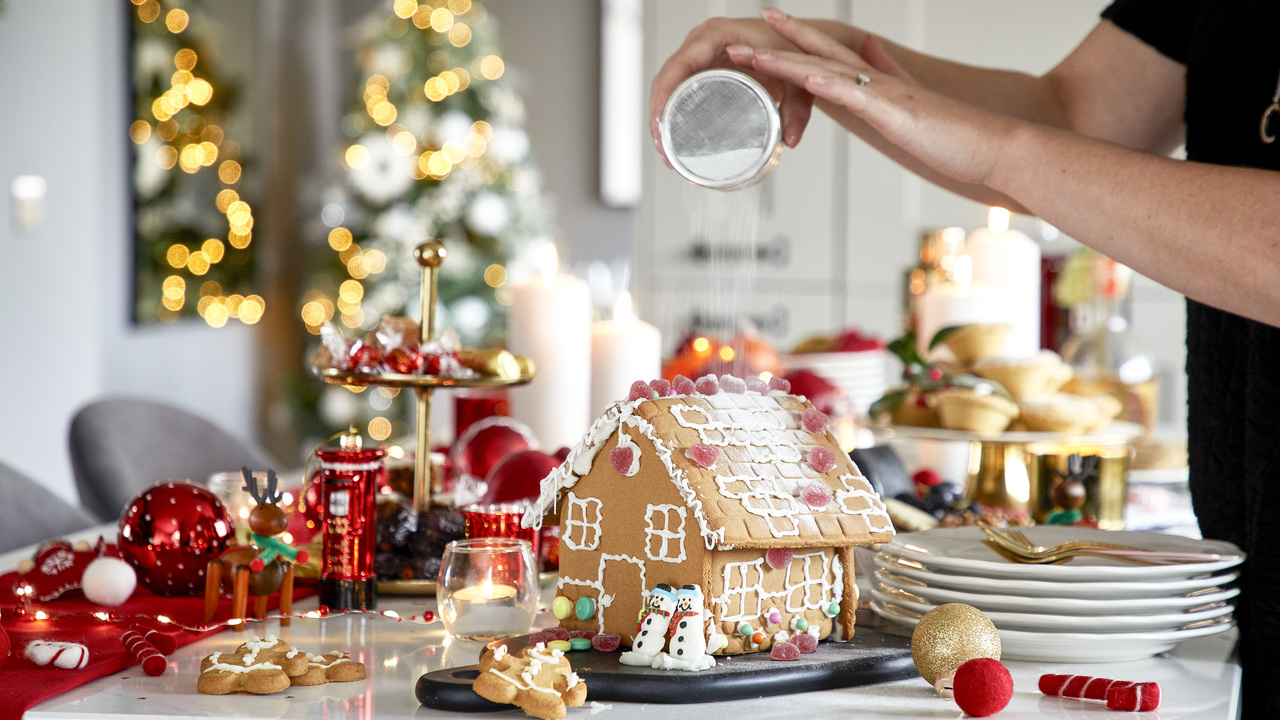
[488,588]
[499,520]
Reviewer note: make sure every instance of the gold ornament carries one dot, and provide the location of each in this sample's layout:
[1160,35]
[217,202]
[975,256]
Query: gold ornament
[493,362]
[949,636]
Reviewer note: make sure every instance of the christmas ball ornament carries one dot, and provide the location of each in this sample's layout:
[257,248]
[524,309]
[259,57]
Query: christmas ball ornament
[170,532]
[4,647]
[982,687]
[108,581]
[518,477]
[486,443]
[949,635]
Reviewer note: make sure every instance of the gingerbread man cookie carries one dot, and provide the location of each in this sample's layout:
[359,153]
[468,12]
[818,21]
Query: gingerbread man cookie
[537,680]
[335,666]
[259,666]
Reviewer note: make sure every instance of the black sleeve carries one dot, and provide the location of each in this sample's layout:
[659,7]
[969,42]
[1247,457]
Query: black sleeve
[1163,24]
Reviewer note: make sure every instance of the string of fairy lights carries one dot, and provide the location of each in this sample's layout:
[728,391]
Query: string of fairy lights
[428,156]
[191,142]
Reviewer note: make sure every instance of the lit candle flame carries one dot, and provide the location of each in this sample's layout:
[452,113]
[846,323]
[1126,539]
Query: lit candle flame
[622,307]
[550,263]
[963,270]
[998,219]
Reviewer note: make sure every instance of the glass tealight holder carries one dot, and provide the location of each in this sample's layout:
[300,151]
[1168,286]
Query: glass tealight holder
[488,588]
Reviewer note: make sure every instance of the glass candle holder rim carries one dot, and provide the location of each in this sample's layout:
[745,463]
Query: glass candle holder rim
[502,508]
[489,545]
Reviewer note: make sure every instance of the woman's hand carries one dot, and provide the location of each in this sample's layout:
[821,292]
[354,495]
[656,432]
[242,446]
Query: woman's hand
[706,47]
[954,139]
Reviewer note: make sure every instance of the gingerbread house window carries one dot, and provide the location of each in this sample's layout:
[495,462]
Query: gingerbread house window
[582,523]
[743,590]
[807,581]
[664,533]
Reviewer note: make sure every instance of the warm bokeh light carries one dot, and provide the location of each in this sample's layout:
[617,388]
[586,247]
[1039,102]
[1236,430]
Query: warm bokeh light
[225,198]
[177,255]
[340,238]
[436,89]
[379,428]
[174,286]
[701,345]
[229,172]
[727,353]
[441,19]
[239,239]
[198,263]
[459,7]
[148,11]
[356,157]
[492,67]
[185,59]
[459,35]
[139,131]
[404,142]
[495,276]
[213,249]
[351,291]
[176,20]
[216,315]
[210,287]
[252,309]
[404,8]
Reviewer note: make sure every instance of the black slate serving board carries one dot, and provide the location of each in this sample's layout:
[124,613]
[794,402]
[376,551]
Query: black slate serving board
[870,657]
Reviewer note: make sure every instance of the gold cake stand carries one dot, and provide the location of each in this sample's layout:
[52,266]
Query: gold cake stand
[1019,470]
[429,255]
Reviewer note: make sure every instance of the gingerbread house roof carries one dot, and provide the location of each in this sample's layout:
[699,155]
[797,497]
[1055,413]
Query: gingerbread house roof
[757,493]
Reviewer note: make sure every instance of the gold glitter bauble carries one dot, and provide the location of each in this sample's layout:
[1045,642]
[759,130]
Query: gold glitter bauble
[950,635]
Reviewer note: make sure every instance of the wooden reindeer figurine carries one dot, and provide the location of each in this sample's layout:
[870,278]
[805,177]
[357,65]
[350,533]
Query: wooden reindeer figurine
[258,569]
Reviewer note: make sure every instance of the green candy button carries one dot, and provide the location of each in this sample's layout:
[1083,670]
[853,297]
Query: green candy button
[802,624]
[586,608]
[745,629]
[562,607]
[833,609]
[579,644]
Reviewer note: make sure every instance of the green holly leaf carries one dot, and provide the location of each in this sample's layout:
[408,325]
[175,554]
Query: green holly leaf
[905,348]
[890,401]
[942,335]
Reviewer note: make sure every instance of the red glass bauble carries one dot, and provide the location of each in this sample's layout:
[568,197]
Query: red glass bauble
[518,477]
[170,532]
[487,443]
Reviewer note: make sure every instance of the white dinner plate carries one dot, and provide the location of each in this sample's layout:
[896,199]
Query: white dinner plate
[1059,606]
[1037,622]
[1076,647]
[961,550]
[1033,588]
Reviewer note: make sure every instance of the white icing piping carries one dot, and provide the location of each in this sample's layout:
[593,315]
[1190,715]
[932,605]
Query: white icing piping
[875,508]
[830,565]
[664,534]
[603,599]
[579,516]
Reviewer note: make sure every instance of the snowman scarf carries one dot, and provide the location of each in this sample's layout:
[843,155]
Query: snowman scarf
[645,612]
[675,620]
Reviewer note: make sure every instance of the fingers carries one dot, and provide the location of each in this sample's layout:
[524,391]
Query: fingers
[874,52]
[796,107]
[811,40]
[888,118]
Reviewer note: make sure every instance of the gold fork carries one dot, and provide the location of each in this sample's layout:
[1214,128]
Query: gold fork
[1015,544]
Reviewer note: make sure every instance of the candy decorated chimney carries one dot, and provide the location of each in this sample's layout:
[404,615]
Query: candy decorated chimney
[734,487]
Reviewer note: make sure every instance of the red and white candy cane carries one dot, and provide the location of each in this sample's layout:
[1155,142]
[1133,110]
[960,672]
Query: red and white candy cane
[164,642]
[1118,694]
[153,663]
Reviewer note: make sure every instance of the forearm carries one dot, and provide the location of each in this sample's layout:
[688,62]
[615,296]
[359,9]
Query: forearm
[1210,232]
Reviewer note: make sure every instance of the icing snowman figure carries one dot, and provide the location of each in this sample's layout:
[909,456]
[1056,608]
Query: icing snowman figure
[687,637]
[651,633]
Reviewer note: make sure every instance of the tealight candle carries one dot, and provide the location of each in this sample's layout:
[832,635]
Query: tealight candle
[488,588]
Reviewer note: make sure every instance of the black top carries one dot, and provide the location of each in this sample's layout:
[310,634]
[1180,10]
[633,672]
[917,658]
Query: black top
[1232,52]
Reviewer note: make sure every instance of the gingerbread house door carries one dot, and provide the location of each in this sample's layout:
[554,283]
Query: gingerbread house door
[618,609]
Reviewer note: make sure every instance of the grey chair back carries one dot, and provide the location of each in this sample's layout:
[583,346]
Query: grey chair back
[30,513]
[122,446]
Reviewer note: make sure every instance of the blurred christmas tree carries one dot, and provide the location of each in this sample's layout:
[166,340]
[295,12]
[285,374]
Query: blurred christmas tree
[436,151]
[192,229]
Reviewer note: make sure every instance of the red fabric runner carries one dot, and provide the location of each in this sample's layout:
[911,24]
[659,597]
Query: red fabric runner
[23,683]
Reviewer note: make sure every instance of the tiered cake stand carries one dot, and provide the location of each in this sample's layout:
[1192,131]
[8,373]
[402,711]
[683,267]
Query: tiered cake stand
[429,255]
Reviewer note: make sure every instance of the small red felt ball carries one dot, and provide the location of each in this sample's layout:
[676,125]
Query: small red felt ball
[982,687]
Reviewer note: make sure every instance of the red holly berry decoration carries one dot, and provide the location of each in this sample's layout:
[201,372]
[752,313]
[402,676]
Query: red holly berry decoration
[935,374]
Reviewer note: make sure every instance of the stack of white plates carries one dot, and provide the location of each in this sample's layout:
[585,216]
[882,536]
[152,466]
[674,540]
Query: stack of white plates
[862,375]
[1085,610]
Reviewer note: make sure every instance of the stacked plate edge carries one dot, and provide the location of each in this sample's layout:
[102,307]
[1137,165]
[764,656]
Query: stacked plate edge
[1086,610]
[862,375]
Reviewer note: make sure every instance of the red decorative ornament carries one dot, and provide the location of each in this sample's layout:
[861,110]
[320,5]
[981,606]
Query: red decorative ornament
[982,687]
[4,646]
[406,360]
[58,567]
[518,477]
[170,532]
[363,357]
[485,444]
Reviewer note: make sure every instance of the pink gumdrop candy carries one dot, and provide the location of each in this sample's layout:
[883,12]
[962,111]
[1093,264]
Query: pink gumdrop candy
[755,384]
[805,642]
[620,459]
[558,633]
[813,420]
[707,385]
[640,390]
[779,558]
[822,459]
[784,651]
[683,385]
[704,454]
[660,387]
[588,634]
[780,384]
[816,494]
[734,385]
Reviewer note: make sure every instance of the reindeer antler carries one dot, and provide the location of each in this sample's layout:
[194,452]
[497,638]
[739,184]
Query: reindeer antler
[269,496]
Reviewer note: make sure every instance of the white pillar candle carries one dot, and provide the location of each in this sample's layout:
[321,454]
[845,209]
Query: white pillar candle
[550,323]
[623,350]
[956,302]
[1009,262]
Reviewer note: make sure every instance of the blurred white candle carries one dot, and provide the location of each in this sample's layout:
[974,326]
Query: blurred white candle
[1009,263]
[623,350]
[551,325]
[958,301]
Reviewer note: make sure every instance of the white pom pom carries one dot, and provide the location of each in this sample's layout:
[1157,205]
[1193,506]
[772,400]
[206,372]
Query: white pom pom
[109,581]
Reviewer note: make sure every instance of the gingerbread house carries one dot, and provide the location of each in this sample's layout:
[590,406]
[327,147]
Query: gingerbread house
[745,494]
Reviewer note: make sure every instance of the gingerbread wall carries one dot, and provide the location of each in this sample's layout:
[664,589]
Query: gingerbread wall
[744,588]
